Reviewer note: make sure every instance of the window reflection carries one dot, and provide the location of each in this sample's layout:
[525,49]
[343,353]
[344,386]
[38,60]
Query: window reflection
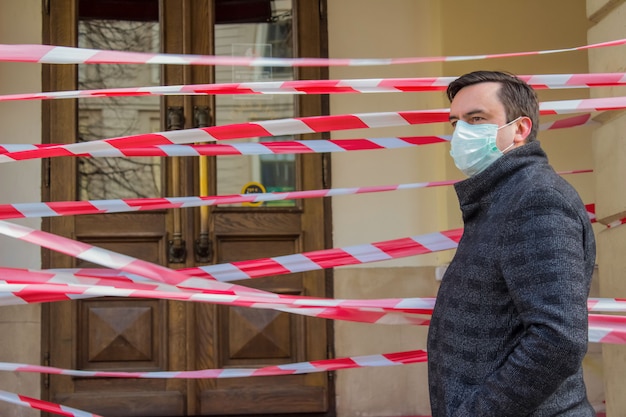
[110,178]
[267,39]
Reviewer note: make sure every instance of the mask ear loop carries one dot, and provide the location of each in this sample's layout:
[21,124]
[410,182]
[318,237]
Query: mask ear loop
[510,123]
[507,148]
[502,127]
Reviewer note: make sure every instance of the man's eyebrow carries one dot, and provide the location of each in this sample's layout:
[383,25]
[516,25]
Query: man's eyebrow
[474,112]
[469,113]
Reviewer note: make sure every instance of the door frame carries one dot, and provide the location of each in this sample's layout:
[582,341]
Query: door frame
[309,43]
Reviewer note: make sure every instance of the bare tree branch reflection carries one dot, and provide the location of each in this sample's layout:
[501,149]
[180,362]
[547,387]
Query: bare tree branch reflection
[109,178]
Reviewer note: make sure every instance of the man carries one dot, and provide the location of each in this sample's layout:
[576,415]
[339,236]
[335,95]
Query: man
[509,328]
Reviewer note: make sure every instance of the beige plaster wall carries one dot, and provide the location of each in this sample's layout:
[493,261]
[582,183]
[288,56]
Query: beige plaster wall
[609,151]
[499,27]
[20,326]
[362,28]
[387,391]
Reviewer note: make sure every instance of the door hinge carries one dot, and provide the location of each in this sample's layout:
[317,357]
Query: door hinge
[326,166]
[46,377]
[46,173]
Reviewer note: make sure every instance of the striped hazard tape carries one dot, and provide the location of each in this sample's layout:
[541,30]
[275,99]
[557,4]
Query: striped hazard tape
[284,147]
[290,126]
[373,85]
[51,54]
[308,261]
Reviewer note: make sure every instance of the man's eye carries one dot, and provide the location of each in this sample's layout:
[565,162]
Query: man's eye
[476,119]
[453,123]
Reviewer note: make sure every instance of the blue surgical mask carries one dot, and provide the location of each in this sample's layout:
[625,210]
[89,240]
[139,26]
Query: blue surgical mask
[473,147]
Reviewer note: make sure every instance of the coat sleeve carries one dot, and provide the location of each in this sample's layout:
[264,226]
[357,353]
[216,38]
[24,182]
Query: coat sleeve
[545,264]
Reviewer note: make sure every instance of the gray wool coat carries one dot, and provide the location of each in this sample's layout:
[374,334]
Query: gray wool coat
[509,329]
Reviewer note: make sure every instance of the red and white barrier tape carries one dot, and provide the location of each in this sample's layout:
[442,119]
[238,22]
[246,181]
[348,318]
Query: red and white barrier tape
[290,126]
[45,406]
[118,279]
[616,223]
[23,286]
[324,365]
[591,210]
[388,359]
[607,305]
[195,278]
[126,263]
[51,54]
[567,122]
[305,261]
[279,127]
[71,208]
[92,277]
[365,361]
[286,147]
[248,269]
[242,269]
[397,311]
[116,260]
[287,264]
[371,85]
[308,261]
[582,105]
[604,328]
[231,294]
[254,148]
[378,360]
[19,286]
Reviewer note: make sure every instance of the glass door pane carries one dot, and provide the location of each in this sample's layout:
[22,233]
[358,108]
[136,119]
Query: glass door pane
[98,118]
[272,38]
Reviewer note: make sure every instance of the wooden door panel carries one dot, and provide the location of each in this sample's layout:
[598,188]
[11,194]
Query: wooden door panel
[242,247]
[117,335]
[126,401]
[256,222]
[140,235]
[277,396]
[252,336]
[121,334]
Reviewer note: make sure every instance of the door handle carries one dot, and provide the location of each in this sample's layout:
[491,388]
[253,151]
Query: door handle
[203,247]
[176,251]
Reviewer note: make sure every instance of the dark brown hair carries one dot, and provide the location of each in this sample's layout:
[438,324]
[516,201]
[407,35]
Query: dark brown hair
[517,97]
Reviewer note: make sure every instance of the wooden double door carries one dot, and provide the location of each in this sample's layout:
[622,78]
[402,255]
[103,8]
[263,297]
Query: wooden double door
[157,335]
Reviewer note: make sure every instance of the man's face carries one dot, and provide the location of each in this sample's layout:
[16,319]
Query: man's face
[479,103]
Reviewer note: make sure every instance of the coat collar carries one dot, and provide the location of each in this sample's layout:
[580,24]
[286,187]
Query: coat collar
[481,187]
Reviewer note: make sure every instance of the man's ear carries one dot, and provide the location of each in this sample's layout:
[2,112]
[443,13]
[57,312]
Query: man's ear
[523,128]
